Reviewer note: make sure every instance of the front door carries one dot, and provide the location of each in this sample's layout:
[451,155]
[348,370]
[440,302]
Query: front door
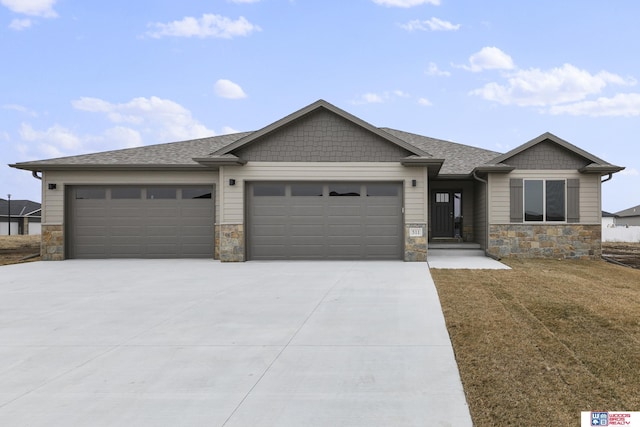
[446,214]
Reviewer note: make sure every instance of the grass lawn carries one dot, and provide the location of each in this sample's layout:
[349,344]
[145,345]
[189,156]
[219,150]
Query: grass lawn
[14,248]
[538,344]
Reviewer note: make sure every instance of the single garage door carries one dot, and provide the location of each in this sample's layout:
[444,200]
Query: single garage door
[140,222]
[325,220]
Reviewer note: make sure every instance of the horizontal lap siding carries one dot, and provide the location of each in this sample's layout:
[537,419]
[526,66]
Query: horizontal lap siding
[499,193]
[53,200]
[233,196]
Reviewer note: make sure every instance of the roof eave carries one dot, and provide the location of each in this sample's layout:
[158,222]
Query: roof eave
[494,169]
[44,167]
[601,169]
[220,161]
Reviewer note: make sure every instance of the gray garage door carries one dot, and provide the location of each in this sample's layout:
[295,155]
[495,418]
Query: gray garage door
[325,221]
[140,222]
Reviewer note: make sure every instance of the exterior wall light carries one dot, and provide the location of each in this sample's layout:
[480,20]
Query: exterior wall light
[232,181]
[51,186]
[414,182]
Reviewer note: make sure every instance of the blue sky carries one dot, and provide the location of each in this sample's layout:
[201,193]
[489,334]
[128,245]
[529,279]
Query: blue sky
[86,76]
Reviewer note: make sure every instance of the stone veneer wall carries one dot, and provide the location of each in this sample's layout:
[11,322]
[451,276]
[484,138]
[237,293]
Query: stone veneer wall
[216,241]
[546,241]
[231,243]
[415,248]
[52,243]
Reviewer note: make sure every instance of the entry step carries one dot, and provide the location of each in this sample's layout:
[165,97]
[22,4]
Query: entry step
[456,245]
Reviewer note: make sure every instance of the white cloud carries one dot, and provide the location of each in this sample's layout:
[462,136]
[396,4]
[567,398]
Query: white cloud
[20,24]
[228,89]
[123,136]
[43,8]
[405,3]
[379,98]
[433,24]
[209,25]
[489,58]
[227,130]
[630,172]
[164,119]
[433,70]
[20,108]
[622,105]
[54,142]
[535,87]
[424,102]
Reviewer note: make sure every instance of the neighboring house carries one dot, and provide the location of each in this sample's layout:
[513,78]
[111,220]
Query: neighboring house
[24,218]
[322,184]
[628,217]
[608,219]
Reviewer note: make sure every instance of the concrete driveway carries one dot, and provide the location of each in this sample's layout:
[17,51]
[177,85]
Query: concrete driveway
[198,342]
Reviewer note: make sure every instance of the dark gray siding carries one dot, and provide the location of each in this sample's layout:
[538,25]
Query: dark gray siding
[322,137]
[547,155]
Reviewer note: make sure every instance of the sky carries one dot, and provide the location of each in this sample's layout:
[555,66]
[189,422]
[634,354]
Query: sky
[87,76]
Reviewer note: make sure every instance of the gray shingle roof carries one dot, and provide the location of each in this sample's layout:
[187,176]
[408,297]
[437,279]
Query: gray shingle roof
[634,211]
[19,207]
[460,159]
[170,154]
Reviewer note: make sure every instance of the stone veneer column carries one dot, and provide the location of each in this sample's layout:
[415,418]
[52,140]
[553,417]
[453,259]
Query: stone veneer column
[216,241]
[415,248]
[573,241]
[231,243]
[52,243]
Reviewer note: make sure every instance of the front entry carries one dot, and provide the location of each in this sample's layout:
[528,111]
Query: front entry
[446,214]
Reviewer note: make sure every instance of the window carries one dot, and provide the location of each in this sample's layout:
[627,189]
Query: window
[126,192]
[268,190]
[161,193]
[344,190]
[382,190]
[196,193]
[544,200]
[442,197]
[90,193]
[308,190]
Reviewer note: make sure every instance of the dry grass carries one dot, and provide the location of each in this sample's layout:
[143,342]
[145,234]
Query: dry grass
[14,248]
[545,340]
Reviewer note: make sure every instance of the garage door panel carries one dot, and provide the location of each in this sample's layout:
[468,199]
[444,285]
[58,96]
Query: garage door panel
[326,227]
[105,227]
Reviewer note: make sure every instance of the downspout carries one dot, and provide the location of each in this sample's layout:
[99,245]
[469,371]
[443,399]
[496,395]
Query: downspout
[486,209]
[607,179]
[35,175]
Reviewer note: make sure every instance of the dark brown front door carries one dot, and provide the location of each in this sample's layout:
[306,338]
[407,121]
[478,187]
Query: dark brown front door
[442,217]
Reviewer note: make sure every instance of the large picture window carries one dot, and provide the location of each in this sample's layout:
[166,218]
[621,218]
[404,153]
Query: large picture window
[545,200]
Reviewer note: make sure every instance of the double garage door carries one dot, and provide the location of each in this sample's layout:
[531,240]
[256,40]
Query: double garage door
[324,220]
[140,222]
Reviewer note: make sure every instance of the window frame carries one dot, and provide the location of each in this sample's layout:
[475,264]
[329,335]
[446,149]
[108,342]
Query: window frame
[544,200]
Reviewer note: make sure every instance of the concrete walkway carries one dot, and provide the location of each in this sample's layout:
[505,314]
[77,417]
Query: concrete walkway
[463,259]
[197,342]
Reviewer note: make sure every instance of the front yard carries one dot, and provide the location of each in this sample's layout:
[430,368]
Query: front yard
[538,344]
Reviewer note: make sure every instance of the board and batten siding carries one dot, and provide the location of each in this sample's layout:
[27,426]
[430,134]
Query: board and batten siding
[232,198]
[499,198]
[53,201]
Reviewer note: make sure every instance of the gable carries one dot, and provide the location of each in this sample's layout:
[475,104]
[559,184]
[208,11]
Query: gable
[547,155]
[321,136]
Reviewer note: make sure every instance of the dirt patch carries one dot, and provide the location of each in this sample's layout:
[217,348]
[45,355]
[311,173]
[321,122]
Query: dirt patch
[545,340]
[624,253]
[13,249]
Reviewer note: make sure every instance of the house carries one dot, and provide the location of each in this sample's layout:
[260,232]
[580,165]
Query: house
[24,217]
[321,183]
[628,217]
[608,219]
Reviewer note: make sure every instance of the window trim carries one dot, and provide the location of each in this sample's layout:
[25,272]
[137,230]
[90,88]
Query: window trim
[544,200]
